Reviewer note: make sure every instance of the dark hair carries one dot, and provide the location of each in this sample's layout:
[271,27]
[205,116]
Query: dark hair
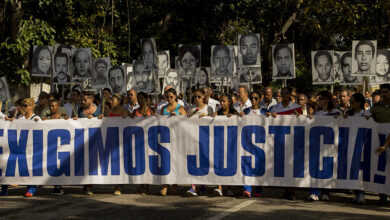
[107,89]
[173,91]
[138,62]
[249,35]
[99,61]
[143,94]
[365,42]
[192,49]
[245,89]
[76,89]
[385,86]
[323,53]
[288,88]
[55,95]
[385,53]
[281,46]
[43,95]
[116,68]
[359,98]
[59,48]
[37,51]
[220,47]
[89,94]
[328,95]
[54,100]
[207,75]
[61,55]
[345,55]
[230,100]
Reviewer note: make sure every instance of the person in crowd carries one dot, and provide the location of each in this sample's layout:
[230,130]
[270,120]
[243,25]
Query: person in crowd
[302,101]
[46,112]
[88,110]
[344,100]
[143,110]
[172,108]
[381,114]
[72,107]
[243,100]
[279,96]
[268,101]
[210,101]
[376,97]
[132,101]
[164,102]
[43,103]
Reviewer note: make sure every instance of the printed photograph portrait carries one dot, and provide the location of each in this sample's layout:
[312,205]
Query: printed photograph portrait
[322,67]
[172,78]
[283,61]
[4,90]
[203,77]
[86,85]
[100,72]
[336,66]
[244,75]
[382,73]
[222,60]
[61,73]
[346,70]
[117,79]
[364,56]
[188,62]
[249,50]
[149,53]
[42,63]
[163,63]
[82,62]
[142,78]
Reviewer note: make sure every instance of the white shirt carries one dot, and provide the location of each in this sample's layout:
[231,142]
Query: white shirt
[214,104]
[165,102]
[362,113]
[32,117]
[207,110]
[69,110]
[263,105]
[239,107]
[279,108]
[2,116]
[255,111]
[131,108]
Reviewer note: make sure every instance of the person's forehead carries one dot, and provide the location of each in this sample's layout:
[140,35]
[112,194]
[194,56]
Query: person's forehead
[323,58]
[148,45]
[82,54]
[347,60]
[188,55]
[248,39]
[283,51]
[58,59]
[139,67]
[172,74]
[222,52]
[364,47]
[44,51]
[116,72]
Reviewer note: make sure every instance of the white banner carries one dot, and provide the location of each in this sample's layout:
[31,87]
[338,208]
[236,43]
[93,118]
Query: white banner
[285,151]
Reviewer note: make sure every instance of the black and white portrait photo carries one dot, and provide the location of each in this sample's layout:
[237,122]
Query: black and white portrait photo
[249,50]
[188,62]
[142,78]
[172,78]
[61,74]
[221,61]
[117,78]
[382,70]
[283,65]
[100,72]
[336,66]
[86,85]
[322,67]
[364,56]
[163,63]
[203,77]
[245,73]
[346,70]
[42,64]
[149,53]
[4,91]
[82,62]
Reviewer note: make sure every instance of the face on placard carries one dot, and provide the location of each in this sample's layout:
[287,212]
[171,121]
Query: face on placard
[116,80]
[172,79]
[221,61]
[364,57]
[249,48]
[188,63]
[202,78]
[336,63]
[148,54]
[162,62]
[283,60]
[324,67]
[44,60]
[246,73]
[61,67]
[101,68]
[382,65]
[82,63]
[140,76]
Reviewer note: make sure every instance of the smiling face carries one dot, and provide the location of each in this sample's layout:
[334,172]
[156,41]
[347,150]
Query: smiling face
[82,63]
[44,60]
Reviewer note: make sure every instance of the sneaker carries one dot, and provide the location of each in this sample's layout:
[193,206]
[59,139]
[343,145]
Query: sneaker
[360,200]
[57,192]
[229,192]
[191,192]
[246,194]
[164,191]
[325,197]
[313,197]
[217,192]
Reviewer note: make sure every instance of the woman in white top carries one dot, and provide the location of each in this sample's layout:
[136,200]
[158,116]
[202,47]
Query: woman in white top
[200,109]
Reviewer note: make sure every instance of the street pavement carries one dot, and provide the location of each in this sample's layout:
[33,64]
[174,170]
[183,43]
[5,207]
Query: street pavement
[130,205]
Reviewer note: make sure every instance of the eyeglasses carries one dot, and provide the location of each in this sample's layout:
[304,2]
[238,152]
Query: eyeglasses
[255,98]
[198,96]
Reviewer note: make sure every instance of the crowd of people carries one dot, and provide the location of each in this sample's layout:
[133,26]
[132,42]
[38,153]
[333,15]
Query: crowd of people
[201,102]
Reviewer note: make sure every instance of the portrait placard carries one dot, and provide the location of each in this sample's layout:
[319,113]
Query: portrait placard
[364,57]
[249,50]
[142,78]
[322,67]
[346,70]
[42,63]
[283,61]
[222,58]
[100,72]
[149,53]
[82,61]
[188,61]
[163,63]
[382,70]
